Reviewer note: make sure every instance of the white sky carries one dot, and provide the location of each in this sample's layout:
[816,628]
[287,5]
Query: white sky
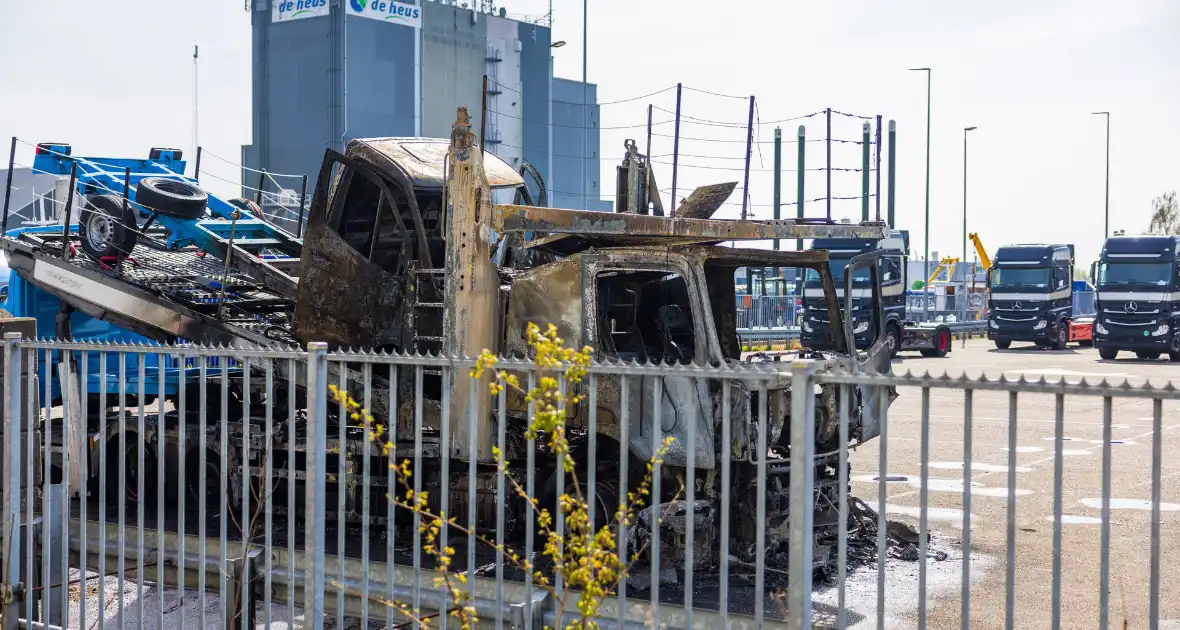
[115,78]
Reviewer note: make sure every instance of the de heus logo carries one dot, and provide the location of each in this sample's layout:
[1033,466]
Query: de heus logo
[358,5]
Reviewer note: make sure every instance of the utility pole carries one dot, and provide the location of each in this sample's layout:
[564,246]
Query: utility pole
[1106,228]
[926,229]
[196,141]
[963,307]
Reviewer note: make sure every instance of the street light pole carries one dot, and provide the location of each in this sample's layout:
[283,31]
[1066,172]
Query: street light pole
[1106,230]
[926,229]
[963,307]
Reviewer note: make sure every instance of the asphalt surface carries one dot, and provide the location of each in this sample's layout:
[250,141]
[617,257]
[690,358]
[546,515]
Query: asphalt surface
[1081,490]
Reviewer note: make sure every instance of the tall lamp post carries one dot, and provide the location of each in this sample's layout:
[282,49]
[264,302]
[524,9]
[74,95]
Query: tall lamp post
[1106,230]
[926,229]
[963,307]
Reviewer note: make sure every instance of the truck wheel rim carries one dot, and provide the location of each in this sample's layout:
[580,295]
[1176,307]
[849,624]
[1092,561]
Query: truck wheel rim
[100,230]
[942,341]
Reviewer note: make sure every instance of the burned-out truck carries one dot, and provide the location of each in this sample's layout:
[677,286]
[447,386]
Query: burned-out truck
[407,251]
[410,249]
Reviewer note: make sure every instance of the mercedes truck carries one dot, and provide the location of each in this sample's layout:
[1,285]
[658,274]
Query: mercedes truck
[1030,297]
[1138,310]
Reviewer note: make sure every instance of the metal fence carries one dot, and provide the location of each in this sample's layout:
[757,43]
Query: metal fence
[768,311]
[253,498]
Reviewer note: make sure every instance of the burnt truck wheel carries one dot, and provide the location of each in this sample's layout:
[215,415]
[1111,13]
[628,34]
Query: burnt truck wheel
[171,197]
[1003,345]
[1108,354]
[107,228]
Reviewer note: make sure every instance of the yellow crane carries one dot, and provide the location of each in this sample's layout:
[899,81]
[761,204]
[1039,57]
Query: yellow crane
[947,263]
[984,259]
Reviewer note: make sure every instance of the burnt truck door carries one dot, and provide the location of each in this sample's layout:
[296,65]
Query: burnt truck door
[651,313]
[874,400]
[355,251]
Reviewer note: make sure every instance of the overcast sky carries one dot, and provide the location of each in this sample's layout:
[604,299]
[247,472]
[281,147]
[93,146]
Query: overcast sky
[116,78]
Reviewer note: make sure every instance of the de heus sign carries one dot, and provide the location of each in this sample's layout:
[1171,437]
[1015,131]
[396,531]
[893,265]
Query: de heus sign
[288,10]
[387,11]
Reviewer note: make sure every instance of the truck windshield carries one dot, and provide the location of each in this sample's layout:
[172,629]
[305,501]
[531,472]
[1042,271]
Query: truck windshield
[1018,277]
[1153,273]
[837,265]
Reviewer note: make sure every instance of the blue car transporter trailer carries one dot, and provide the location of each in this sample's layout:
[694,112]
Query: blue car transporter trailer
[24,299]
[126,197]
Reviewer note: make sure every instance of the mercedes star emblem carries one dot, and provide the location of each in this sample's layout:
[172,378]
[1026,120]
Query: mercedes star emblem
[1018,306]
[1131,307]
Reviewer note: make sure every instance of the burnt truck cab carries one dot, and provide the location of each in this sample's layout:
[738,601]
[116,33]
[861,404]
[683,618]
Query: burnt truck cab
[1030,295]
[815,325]
[1138,309]
[406,251]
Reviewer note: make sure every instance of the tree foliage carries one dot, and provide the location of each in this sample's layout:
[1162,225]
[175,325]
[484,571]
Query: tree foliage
[1165,214]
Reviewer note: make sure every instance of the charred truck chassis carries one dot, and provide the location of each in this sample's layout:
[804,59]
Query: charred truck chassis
[406,252]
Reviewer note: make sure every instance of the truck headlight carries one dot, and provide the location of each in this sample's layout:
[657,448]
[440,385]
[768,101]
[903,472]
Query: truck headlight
[1100,328]
[992,324]
[806,327]
[1161,331]
[1040,325]
[861,327]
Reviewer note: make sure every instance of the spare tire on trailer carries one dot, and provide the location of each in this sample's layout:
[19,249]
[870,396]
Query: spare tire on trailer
[171,197]
[248,206]
[107,228]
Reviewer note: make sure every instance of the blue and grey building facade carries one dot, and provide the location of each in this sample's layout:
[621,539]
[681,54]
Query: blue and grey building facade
[323,74]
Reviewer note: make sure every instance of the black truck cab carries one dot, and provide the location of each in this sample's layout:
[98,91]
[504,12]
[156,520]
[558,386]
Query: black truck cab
[1138,283]
[1030,294]
[815,323]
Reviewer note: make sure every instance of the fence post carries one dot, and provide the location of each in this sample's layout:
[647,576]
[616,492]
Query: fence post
[675,152]
[11,476]
[800,533]
[317,469]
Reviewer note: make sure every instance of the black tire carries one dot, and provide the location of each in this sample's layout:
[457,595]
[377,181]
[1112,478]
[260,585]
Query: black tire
[1148,355]
[1086,343]
[1108,354]
[107,228]
[1174,357]
[1061,341]
[1003,345]
[171,197]
[893,339]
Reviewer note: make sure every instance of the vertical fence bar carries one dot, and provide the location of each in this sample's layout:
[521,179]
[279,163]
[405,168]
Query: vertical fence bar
[828,167]
[102,482]
[366,442]
[749,152]
[675,151]
[530,490]
[1058,464]
[1010,586]
[140,483]
[1104,562]
[800,179]
[473,443]
[160,484]
[12,474]
[846,393]
[223,515]
[8,185]
[501,444]
[877,164]
[65,376]
[268,493]
[882,502]
[202,482]
[316,487]
[801,501]
[923,507]
[1153,589]
[864,172]
[341,485]
[241,597]
[726,457]
[83,492]
[390,488]
[624,457]
[30,452]
[291,415]
[47,406]
[302,205]
[968,400]
[418,473]
[182,488]
[657,425]
[121,492]
[778,177]
[444,494]
[690,516]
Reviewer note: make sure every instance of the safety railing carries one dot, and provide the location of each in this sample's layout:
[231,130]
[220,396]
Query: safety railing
[262,495]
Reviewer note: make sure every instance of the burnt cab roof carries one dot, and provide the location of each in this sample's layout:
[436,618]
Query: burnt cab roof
[1144,248]
[1033,254]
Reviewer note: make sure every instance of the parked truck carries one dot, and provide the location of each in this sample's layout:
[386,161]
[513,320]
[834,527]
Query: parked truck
[1138,282]
[406,252]
[1030,298]
[931,339]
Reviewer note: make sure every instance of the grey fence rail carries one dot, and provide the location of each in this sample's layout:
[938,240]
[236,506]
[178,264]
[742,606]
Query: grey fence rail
[248,495]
